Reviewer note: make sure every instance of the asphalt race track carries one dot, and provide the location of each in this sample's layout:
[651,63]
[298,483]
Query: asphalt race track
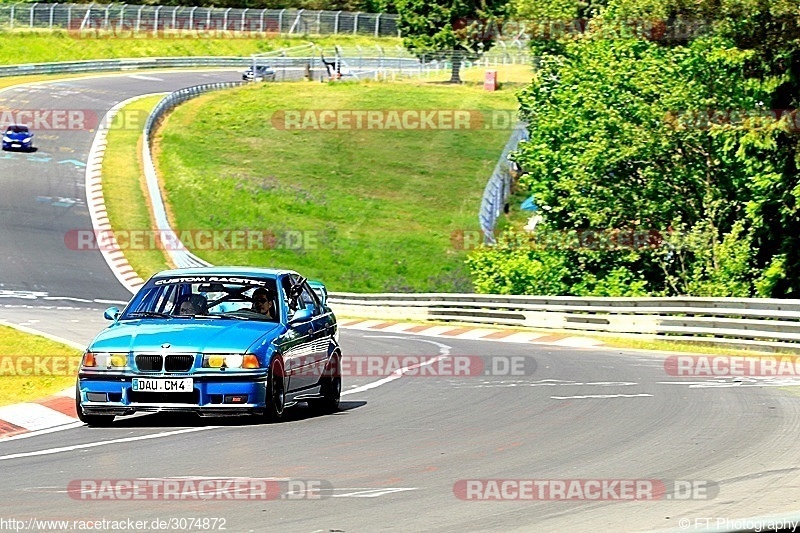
[398,453]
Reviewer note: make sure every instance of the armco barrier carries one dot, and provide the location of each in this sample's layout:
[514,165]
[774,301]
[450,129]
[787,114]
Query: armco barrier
[111,65]
[745,322]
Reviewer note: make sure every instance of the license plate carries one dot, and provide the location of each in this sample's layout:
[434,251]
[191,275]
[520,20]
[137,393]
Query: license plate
[162,385]
[16,145]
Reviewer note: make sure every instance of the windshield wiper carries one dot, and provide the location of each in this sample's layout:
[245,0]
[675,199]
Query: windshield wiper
[148,314]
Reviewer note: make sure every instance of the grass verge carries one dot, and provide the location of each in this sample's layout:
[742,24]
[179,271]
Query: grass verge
[365,210]
[125,189]
[59,45]
[33,367]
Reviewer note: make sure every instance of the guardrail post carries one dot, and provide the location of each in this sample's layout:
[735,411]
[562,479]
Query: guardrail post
[155,20]
[138,20]
[121,16]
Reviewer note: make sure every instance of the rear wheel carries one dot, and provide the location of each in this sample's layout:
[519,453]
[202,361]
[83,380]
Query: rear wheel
[331,385]
[275,400]
[92,420]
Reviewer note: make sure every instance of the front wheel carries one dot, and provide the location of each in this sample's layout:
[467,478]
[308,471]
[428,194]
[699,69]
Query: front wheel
[275,399]
[92,420]
[331,386]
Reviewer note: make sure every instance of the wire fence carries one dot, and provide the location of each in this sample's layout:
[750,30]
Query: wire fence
[88,20]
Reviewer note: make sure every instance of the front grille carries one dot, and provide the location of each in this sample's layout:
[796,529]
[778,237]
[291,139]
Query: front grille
[178,363]
[148,363]
[164,397]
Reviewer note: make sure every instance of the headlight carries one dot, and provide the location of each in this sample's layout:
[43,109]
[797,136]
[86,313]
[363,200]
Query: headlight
[27,140]
[229,360]
[105,360]
[6,139]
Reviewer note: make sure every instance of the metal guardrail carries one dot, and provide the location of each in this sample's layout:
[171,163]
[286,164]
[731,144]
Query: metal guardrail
[769,324]
[498,188]
[122,20]
[179,255]
[110,65]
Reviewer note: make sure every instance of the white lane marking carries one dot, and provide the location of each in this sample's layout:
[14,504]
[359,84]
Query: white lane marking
[145,78]
[372,493]
[55,338]
[74,424]
[51,451]
[601,396]
[444,351]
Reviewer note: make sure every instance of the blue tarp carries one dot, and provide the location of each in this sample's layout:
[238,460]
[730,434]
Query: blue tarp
[529,205]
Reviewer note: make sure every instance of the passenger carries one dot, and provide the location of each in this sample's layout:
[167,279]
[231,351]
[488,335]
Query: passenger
[194,304]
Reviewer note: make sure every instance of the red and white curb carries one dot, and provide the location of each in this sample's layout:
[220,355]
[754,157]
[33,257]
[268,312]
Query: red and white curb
[471,333]
[51,412]
[110,249]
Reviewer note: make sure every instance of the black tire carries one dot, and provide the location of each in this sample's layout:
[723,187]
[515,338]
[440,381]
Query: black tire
[92,420]
[275,392]
[331,386]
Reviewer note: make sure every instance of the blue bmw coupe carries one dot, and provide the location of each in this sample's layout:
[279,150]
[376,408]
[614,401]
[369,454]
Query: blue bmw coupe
[213,341]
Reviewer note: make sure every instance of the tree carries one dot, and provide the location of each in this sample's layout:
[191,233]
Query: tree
[450,29]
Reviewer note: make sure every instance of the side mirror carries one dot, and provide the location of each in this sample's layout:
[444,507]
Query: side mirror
[301,315]
[112,313]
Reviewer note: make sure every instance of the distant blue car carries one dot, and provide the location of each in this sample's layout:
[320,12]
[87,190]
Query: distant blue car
[213,341]
[17,137]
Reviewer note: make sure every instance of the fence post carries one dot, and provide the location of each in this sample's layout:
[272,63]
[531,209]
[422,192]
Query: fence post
[191,17]
[138,19]
[241,25]
[280,21]
[355,24]
[52,9]
[225,19]
[175,18]
[261,21]
[33,8]
[336,23]
[377,24]
[155,20]
[121,17]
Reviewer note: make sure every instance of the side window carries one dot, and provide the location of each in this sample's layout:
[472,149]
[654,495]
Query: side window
[308,297]
[286,285]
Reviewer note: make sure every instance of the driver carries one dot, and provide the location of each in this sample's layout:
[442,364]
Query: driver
[264,303]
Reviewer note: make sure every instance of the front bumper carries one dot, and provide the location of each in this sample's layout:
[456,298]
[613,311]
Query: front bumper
[233,394]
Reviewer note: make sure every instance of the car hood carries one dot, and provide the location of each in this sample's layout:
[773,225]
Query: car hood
[19,136]
[185,335]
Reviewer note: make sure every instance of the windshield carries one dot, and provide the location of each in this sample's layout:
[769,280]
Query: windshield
[205,296]
[17,129]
